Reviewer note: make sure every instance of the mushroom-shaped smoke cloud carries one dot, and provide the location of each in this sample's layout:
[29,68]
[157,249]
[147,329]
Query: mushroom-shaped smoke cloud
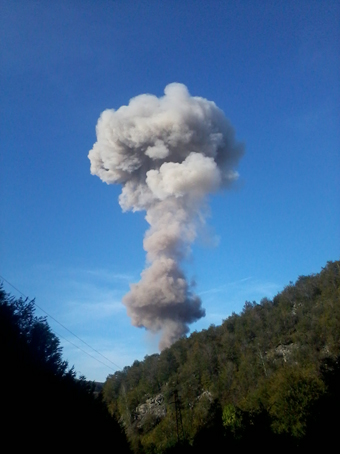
[168,153]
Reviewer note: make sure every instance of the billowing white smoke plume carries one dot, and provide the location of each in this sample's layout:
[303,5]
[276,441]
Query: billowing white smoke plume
[168,153]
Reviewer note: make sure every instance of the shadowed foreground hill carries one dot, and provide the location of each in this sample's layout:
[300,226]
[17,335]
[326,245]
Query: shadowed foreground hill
[266,377]
[43,405]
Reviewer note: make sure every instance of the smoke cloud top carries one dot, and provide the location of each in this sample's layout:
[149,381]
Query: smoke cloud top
[168,154]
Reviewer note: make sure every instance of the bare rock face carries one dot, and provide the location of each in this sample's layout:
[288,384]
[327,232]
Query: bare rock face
[150,413]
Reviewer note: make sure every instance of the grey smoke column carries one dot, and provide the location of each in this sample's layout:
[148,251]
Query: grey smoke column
[168,153]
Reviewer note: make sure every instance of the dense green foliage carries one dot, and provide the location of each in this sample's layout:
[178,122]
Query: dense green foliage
[268,375]
[43,405]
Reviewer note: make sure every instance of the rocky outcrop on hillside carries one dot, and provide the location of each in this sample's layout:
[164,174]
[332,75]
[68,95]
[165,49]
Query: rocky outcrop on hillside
[151,412]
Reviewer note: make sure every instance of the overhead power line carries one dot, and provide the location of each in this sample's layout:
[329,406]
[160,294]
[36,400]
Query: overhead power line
[67,329]
[82,350]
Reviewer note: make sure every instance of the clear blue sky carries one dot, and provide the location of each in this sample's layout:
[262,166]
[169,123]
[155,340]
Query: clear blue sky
[272,67]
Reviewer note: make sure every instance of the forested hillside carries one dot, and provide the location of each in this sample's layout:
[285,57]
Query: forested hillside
[267,376]
[44,406]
